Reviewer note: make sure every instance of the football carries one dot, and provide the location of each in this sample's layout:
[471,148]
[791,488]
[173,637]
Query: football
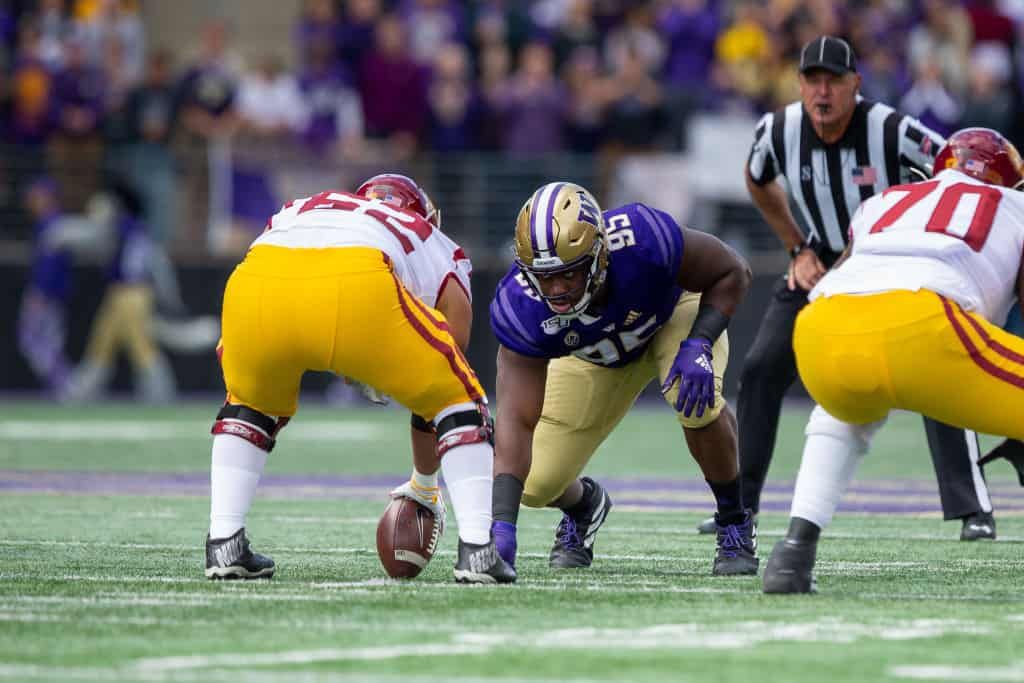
[407,536]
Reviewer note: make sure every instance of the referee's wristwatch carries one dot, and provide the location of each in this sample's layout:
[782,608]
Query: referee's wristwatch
[795,251]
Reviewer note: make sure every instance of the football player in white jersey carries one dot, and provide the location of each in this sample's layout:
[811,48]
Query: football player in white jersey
[363,285]
[911,319]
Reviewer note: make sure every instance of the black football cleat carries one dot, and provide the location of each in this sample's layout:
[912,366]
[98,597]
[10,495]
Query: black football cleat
[482,564]
[736,554]
[231,558]
[574,537]
[710,526]
[979,526]
[790,568]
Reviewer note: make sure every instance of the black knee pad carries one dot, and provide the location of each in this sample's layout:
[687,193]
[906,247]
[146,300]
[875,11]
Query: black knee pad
[252,425]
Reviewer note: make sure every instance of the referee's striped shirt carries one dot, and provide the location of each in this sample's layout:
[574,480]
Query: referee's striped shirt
[829,181]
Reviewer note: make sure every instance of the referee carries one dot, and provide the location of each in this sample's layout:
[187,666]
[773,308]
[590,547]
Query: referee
[835,150]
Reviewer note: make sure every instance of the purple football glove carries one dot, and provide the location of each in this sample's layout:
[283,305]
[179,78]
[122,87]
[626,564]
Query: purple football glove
[692,367]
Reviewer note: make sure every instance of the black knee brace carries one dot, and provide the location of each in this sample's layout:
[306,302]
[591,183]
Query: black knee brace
[252,425]
[480,418]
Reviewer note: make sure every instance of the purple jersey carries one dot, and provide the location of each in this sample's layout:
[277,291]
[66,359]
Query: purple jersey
[130,264]
[642,291]
[51,268]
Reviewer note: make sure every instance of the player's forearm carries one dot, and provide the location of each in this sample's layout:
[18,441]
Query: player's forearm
[513,448]
[728,291]
[773,204]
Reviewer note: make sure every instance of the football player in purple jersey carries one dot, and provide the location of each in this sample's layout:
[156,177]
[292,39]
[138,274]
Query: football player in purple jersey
[596,306]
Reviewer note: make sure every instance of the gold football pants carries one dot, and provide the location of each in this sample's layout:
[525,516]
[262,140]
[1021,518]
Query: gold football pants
[861,356]
[124,320]
[341,310]
[584,402]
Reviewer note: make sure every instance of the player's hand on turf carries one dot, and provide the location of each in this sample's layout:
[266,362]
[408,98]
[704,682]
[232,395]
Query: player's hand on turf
[696,375]
[429,498]
[805,270]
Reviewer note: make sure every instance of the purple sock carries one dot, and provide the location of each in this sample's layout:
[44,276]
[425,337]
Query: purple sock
[505,540]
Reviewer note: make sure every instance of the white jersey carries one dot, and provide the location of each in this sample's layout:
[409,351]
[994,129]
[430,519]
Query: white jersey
[424,258]
[953,235]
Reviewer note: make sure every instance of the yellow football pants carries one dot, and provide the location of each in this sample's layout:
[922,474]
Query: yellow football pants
[861,356]
[584,402]
[341,310]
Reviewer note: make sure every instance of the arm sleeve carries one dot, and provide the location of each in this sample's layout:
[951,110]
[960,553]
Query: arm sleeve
[762,164]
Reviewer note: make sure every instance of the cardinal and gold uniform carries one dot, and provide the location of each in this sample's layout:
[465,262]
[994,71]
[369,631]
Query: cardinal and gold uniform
[345,284]
[911,319]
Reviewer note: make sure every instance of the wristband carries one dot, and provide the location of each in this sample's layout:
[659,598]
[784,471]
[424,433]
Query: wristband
[710,323]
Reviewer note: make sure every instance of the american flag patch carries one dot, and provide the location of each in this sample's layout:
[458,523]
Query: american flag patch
[864,175]
[974,165]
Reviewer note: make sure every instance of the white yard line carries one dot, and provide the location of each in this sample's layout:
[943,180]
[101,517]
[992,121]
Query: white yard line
[232,675]
[672,637]
[974,674]
[41,617]
[308,656]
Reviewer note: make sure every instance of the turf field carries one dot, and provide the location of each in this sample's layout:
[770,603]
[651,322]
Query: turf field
[104,513]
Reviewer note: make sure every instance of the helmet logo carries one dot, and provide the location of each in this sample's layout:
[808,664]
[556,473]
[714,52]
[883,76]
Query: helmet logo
[548,262]
[974,166]
[588,212]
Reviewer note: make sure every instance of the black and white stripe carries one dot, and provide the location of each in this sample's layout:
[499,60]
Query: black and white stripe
[879,142]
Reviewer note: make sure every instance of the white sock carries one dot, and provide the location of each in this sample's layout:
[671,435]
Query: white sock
[469,475]
[235,469]
[826,470]
[832,453]
[424,481]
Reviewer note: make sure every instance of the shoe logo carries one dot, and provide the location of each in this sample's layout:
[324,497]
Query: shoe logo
[483,559]
[228,552]
[980,527]
[596,519]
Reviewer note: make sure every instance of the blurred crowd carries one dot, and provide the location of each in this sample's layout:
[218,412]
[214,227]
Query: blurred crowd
[89,90]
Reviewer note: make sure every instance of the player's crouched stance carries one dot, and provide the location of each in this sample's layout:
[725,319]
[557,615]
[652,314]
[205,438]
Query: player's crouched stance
[596,306]
[364,285]
[909,321]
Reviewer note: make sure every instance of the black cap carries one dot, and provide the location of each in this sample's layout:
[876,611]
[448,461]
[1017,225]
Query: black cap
[830,53]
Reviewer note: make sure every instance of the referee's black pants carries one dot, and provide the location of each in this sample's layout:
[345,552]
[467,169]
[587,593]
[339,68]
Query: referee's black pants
[768,371]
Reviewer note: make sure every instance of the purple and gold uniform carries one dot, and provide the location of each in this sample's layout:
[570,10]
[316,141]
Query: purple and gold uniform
[602,359]
[42,328]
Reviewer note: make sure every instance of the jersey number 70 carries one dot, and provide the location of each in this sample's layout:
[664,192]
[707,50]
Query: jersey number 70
[964,210]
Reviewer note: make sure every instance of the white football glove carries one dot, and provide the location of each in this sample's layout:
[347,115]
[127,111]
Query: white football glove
[429,498]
